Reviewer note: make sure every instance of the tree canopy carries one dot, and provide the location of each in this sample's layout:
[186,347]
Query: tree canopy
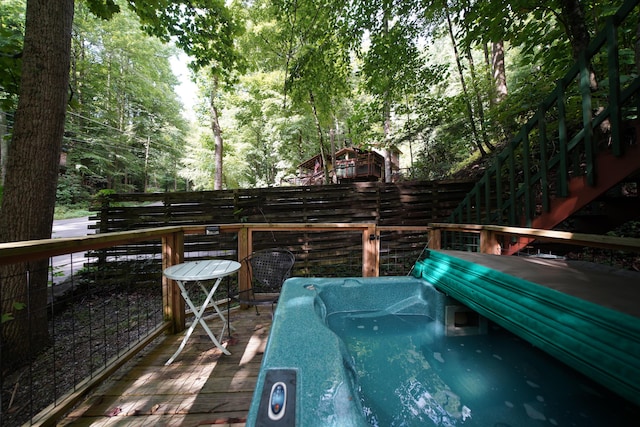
[377,74]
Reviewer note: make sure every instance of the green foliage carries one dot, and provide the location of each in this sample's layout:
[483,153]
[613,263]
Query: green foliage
[6,317]
[11,36]
[104,9]
[125,128]
[291,72]
[106,193]
[71,191]
[204,29]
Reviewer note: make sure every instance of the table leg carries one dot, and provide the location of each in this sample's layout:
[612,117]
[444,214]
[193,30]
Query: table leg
[220,315]
[198,319]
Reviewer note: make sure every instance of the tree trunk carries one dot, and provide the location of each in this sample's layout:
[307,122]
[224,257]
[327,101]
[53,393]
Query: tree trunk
[387,136]
[312,102]
[386,109]
[410,139]
[576,27]
[480,107]
[498,71]
[499,80]
[147,146]
[32,172]
[4,146]
[332,143]
[217,137]
[472,123]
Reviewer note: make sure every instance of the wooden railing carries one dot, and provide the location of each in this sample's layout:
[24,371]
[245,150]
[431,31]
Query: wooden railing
[491,236]
[173,252]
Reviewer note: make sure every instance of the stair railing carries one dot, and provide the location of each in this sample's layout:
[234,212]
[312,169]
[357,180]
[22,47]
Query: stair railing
[525,176]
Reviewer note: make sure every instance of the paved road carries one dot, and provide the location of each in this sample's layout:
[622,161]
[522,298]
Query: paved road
[65,265]
[74,227]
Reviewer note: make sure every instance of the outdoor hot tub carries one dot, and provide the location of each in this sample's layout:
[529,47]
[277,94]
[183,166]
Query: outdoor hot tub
[394,351]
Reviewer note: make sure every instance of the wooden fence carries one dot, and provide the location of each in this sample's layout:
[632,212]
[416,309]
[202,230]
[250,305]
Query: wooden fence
[397,205]
[411,203]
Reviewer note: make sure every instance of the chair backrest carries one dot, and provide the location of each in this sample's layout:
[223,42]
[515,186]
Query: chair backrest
[271,267]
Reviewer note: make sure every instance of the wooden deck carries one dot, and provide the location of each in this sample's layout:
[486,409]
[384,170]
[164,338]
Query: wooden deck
[201,387]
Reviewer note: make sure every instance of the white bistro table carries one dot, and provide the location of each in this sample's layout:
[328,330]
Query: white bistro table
[203,273]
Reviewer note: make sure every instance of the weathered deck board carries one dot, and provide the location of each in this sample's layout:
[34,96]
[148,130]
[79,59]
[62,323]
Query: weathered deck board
[201,387]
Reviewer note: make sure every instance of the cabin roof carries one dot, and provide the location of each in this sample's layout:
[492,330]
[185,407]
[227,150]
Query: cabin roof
[311,163]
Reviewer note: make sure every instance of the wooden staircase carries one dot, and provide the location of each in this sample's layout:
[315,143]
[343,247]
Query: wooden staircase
[610,170]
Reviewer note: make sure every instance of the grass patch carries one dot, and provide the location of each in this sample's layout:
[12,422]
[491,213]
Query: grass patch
[67,212]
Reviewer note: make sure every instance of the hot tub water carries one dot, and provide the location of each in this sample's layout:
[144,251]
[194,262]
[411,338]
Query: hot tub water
[410,374]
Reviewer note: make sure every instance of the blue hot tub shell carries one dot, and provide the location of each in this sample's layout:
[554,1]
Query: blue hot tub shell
[309,377]
[325,389]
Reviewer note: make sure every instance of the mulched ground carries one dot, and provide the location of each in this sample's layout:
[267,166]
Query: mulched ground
[85,335]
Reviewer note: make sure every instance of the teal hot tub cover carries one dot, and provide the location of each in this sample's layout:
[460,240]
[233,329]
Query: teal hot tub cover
[600,342]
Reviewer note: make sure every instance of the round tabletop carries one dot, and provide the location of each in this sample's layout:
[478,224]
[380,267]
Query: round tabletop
[202,270]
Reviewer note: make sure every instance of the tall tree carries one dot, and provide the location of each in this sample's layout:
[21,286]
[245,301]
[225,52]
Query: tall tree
[499,73]
[220,59]
[34,154]
[124,107]
[315,62]
[217,133]
[30,188]
[465,92]
[391,62]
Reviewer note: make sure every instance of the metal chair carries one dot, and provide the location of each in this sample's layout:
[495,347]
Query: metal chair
[268,269]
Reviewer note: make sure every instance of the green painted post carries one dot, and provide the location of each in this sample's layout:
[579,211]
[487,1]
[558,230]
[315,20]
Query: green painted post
[614,86]
[487,196]
[478,198]
[585,92]
[563,187]
[499,189]
[526,170]
[544,173]
[512,186]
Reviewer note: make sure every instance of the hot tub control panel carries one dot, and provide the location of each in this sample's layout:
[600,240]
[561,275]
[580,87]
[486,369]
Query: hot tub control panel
[278,399]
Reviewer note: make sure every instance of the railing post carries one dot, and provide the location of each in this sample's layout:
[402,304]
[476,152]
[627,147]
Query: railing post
[614,85]
[563,138]
[370,252]
[544,172]
[245,247]
[512,184]
[499,191]
[526,170]
[435,238]
[489,243]
[172,302]
[587,117]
